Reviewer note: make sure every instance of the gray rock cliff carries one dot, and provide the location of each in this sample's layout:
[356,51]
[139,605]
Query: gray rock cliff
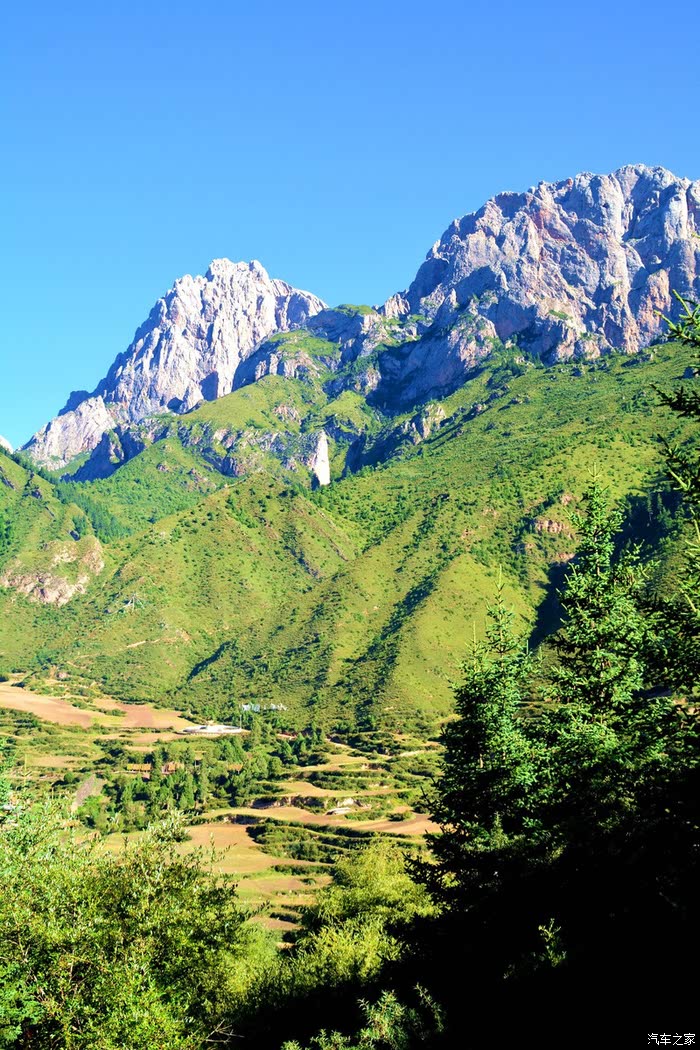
[569,269]
[187,351]
[573,268]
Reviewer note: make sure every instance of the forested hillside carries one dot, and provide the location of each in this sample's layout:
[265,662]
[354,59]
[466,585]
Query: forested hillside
[564,864]
[349,657]
[175,579]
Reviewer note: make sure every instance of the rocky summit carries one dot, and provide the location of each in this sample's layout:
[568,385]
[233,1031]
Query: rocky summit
[572,268]
[576,268]
[186,352]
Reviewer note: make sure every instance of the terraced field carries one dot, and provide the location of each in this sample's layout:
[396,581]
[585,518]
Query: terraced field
[279,848]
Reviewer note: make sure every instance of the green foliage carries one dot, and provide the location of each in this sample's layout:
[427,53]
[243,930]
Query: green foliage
[352,310]
[682,611]
[5,535]
[102,951]
[579,759]
[606,634]
[577,852]
[352,932]
[488,766]
[350,600]
[104,523]
[373,881]
[568,782]
[389,1025]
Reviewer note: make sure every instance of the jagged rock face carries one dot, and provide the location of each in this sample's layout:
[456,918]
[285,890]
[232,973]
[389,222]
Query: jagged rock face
[187,351]
[437,363]
[348,333]
[386,444]
[287,356]
[116,447]
[358,332]
[572,268]
[73,431]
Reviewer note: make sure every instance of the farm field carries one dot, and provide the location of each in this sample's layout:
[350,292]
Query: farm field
[278,845]
[102,711]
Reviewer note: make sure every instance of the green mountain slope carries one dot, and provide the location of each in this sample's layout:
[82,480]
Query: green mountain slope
[210,586]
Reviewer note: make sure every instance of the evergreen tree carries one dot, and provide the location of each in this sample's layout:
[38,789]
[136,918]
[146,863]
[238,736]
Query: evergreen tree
[682,610]
[202,782]
[255,736]
[606,729]
[568,825]
[482,798]
[186,798]
[156,774]
[285,753]
[603,641]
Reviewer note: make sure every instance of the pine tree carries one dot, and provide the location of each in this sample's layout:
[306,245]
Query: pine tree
[607,727]
[202,782]
[603,642]
[185,797]
[156,774]
[682,611]
[482,798]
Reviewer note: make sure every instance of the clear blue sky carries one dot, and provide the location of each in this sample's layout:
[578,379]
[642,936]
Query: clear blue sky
[332,141]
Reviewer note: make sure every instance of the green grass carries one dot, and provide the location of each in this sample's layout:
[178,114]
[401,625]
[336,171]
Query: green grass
[292,344]
[354,604]
[352,310]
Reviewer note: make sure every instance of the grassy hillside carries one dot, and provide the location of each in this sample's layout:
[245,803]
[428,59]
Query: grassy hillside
[357,600]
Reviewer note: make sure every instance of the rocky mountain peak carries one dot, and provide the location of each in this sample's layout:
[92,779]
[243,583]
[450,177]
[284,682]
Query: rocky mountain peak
[572,268]
[187,351]
[575,268]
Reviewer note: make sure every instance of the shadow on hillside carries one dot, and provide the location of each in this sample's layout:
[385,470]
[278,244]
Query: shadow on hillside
[650,521]
[549,611]
[583,948]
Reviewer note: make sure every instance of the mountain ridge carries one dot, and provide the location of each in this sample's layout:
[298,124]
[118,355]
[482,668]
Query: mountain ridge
[576,268]
[186,351]
[175,580]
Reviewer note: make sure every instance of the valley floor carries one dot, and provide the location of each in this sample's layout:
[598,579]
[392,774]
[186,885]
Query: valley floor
[260,845]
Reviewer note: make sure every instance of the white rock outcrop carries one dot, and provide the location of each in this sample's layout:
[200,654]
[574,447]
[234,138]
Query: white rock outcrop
[320,463]
[571,268]
[187,351]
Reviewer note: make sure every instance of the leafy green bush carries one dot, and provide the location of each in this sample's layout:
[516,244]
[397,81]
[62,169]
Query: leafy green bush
[141,949]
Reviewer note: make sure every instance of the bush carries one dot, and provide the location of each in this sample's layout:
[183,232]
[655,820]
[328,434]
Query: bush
[102,951]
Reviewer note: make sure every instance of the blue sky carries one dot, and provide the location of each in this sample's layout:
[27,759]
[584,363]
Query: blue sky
[334,142]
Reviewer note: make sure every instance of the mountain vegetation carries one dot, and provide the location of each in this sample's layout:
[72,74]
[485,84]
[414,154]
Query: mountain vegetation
[299,531]
[566,858]
[169,580]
